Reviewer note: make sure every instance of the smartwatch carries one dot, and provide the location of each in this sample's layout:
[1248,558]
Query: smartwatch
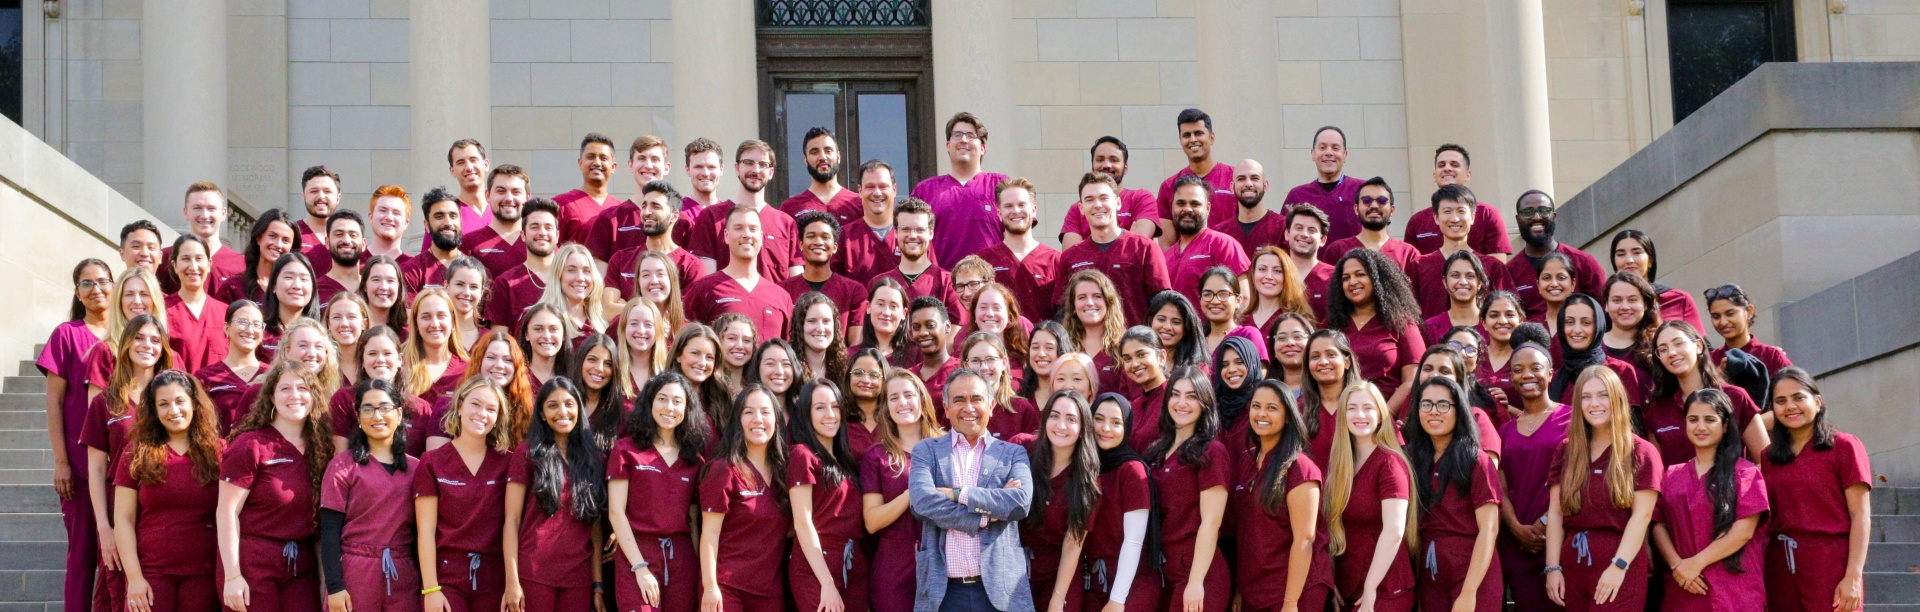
[1620,563]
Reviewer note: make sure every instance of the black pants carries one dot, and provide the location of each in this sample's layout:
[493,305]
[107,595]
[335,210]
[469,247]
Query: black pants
[966,597]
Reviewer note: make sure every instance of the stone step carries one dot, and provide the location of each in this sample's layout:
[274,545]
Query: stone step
[1893,587]
[26,587]
[1896,528]
[26,458]
[1892,607]
[26,476]
[34,556]
[26,437]
[29,370]
[1892,500]
[1893,557]
[23,402]
[18,384]
[32,527]
[24,419]
[28,498]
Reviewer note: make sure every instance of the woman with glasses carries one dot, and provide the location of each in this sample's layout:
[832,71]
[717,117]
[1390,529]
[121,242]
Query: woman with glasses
[64,363]
[1458,491]
[1287,353]
[1444,361]
[1733,315]
[228,381]
[366,510]
[1220,310]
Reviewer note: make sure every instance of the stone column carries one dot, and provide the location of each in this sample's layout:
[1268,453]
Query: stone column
[1476,76]
[716,85]
[450,47]
[973,72]
[184,118]
[1238,83]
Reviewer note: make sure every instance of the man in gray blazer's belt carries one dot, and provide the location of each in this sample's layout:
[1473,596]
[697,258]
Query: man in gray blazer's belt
[970,492]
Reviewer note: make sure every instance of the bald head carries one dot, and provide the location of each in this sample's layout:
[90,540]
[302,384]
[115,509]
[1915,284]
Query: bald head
[1249,183]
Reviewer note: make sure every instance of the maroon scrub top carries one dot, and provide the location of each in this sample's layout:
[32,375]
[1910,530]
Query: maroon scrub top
[935,282]
[845,205]
[423,272]
[494,252]
[864,254]
[1809,495]
[1428,278]
[472,504]
[1453,517]
[577,212]
[1137,266]
[1209,248]
[623,269]
[659,495]
[1525,459]
[1597,511]
[848,296]
[224,264]
[1318,281]
[1524,278]
[753,532]
[1147,406]
[1266,539]
[280,503]
[1135,205]
[378,505]
[1180,486]
[969,214]
[1044,542]
[779,243]
[227,391]
[1774,358]
[65,355]
[196,340]
[1400,253]
[1270,230]
[1487,236]
[555,549]
[1032,280]
[105,432]
[1383,351]
[1019,416]
[1219,201]
[767,305]
[615,229]
[1687,512]
[449,380]
[175,522]
[837,511]
[1677,305]
[1666,419]
[513,293]
[1382,476]
[1338,203]
[879,475]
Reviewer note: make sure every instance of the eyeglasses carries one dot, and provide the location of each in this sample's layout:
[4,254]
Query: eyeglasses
[859,373]
[963,136]
[249,325]
[90,285]
[1208,296]
[1465,349]
[977,363]
[1725,292]
[374,409]
[1535,211]
[1371,200]
[755,164]
[1436,407]
[969,286]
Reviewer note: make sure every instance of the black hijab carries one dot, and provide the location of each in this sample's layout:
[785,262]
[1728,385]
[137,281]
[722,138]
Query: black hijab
[1230,402]
[1113,459]
[1572,361]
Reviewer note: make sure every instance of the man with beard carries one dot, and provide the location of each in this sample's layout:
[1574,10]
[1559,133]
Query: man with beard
[1452,166]
[522,286]
[753,161]
[388,215]
[1196,140]
[963,197]
[819,241]
[320,190]
[1373,206]
[1332,191]
[618,228]
[467,162]
[1136,265]
[1139,212]
[1535,213]
[345,244]
[498,245]
[1020,262]
[740,287]
[705,167]
[1197,247]
[823,164]
[1252,225]
[579,207]
[1306,233]
[657,218]
[206,214]
[913,226]
[1452,211]
[443,232]
[868,245]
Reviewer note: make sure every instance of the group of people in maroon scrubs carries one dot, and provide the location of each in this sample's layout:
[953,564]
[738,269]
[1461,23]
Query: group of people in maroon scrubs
[710,402]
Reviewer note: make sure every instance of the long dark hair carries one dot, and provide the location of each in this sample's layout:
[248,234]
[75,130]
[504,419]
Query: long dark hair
[1646,244]
[1642,348]
[1270,485]
[357,445]
[1082,492]
[1723,486]
[836,358]
[1193,452]
[78,310]
[397,317]
[579,470]
[147,443]
[694,435]
[270,305]
[1393,301]
[1780,448]
[608,412]
[1310,397]
[751,372]
[250,280]
[898,347]
[732,451]
[1274,367]
[1456,467]
[1030,382]
[837,462]
[1188,351]
[850,411]
[1667,384]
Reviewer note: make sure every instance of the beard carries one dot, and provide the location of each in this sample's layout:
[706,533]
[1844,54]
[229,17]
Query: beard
[822,177]
[350,258]
[539,251]
[506,215]
[1250,203]
[1374,226]
[752,186]
[1189,224]
[1542,239]
[447,239]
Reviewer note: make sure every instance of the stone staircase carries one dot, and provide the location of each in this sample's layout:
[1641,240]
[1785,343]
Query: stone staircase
[1893,559]
[33,541]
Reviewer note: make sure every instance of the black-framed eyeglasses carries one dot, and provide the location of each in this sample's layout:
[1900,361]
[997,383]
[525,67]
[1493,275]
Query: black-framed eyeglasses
[1534,211]
[1436,407]
[969,286]
[373,409]
[90,285]
[1465,349]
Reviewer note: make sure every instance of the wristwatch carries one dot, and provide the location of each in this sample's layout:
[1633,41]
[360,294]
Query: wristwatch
[1620,563]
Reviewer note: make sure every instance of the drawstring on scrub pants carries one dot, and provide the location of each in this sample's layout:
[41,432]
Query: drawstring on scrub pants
[1792,545]
[1582,551]
[388,569]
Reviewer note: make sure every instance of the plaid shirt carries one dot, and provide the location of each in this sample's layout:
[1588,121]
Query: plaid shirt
[963,549]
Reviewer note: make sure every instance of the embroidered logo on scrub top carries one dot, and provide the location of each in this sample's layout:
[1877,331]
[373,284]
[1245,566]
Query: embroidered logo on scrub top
[1079,264]
[277,461]
[485,251]
[627,228]
[1658,431]
[752,493]
[449,481]
[118,419]
[646,468]
[1426,234]
[1522,287]
[726,300]
[222,388]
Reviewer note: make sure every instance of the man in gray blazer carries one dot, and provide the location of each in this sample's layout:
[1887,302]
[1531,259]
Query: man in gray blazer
[970,492]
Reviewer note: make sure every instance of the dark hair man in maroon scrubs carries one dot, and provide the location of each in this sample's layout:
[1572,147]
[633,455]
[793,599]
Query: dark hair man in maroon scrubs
[523,285]
[1196,140]
[913,224]
[1534,214]
[444,242]
[963,197]
[1139,211]
[1020,262]
[1453,212]
[498,244]
[1373,206]
[618,228]
[869,246]
[819,242]
[753,160]
[659,212]
[1137,265]
[579,206]
[346,247]
[320,191]
[1306,234]
[822,160]
[1452,166]
[468,164]
[1253,224]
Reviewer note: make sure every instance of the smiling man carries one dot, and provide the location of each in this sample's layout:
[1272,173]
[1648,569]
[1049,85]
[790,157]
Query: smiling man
[869,246]
[931,332]
[1136,265]
[1253,225]
[1331,190]
[753,161]
[822,162]
[970,491]
[1534,214]
[658,216]
[467,163]
[205,210]
[1196,141]
[1452,166]
[346,246]
[1139,212]
[740,287]
[963,197]
[1452,210]
[1306,233]
[388,215]
[498,245]
[913,225]
[618,227]
[1373,205]
[520,287]
[320,193]
[1197,247]
[1020,262]
[443,235]
[819,244]
[579,207]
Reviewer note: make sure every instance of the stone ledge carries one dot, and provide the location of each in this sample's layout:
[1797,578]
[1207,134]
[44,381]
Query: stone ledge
[1778,96]
[42,173]
[1858,320]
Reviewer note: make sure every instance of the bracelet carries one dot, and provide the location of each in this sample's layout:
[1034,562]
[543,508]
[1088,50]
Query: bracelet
[1550,569]
[599,586]
[638,566]
[429,591]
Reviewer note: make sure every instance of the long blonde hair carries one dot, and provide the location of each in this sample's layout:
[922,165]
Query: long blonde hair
[890,431]
[1293,291]
[671,310]
[500,438]
[414,353]
[1111,328]
[591,306]
[329,374]
[661,349]
[117,316]
[1341,465]
[1573,475]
